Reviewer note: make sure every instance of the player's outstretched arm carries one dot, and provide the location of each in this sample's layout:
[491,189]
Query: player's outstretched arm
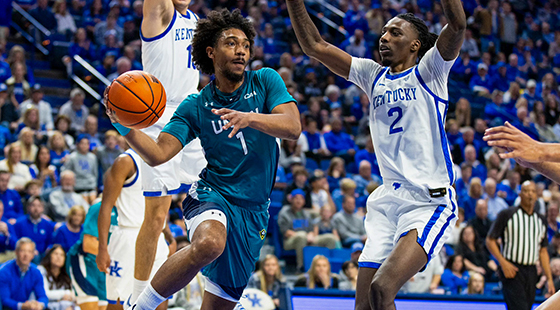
[152,152]
[157,14]
[313,44]
[283,122]
[113,182]
[451,38]
[543,157]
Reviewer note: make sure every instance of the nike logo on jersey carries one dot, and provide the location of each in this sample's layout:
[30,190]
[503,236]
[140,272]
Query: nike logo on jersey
[183,34]
[399,94]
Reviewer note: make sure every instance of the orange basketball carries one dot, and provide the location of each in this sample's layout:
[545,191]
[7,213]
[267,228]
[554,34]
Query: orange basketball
[138,99]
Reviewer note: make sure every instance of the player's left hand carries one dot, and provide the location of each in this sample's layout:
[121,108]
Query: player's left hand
[519,145]
[237,120]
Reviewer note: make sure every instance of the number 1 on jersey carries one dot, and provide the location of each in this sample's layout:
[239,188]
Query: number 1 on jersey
[240,136]
[190,64]
[399,112]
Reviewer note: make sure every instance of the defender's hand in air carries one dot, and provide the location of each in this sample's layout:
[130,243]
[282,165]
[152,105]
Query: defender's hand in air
[237,120]
[519,145]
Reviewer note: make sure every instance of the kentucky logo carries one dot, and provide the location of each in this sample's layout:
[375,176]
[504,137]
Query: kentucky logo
[263,234]
[115,269]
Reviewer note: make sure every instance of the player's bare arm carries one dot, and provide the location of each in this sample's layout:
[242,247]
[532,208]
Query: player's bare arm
[313,44]
[157,14]
[152,152]
[122,169]
[451,38]
[282,123]
[542,157]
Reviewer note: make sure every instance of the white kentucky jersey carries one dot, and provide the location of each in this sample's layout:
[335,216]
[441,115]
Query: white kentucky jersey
[407,117]
[131,202]
[168,57]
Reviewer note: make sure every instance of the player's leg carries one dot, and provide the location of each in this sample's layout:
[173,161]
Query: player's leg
[380,231]
[365,276]
[212,302]
[208,242]
[403,263]
[146,243]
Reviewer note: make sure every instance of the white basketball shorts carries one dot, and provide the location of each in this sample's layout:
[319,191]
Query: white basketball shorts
[396,208]
[120,276]
[166,179]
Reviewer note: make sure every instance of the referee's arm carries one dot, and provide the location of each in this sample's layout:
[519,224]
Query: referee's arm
[494,233]
[545,263]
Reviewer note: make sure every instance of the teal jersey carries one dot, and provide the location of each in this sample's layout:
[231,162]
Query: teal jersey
[90,226]
[243,168]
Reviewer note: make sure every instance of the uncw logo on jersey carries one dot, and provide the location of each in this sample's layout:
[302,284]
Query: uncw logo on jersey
[263,234]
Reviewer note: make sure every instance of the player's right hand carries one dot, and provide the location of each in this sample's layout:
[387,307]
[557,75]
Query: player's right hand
[508,269]
[110,113]
[103,260]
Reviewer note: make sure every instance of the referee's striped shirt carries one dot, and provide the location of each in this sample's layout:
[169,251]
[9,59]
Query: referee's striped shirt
[523,235]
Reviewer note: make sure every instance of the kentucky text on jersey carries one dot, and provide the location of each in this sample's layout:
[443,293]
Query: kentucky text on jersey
[402,94]
[183,34]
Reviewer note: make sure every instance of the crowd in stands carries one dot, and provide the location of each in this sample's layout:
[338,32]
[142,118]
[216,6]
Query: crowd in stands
[53,159]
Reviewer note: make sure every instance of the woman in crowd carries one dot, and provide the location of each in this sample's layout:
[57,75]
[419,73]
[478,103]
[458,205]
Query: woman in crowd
[62,124]
[474,254]
[476,284]
[455,276]
[12,164]
[268,278]
[55,279]
[335,173]
[43,170]
[319,275]
[58,149]
[64,20]
[69,232]
[27,145]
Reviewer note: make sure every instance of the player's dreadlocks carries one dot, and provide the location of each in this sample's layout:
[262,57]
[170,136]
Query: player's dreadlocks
[427,39]
[209,30]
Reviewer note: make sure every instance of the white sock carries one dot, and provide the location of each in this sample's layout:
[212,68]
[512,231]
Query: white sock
[138,287]
[149,299]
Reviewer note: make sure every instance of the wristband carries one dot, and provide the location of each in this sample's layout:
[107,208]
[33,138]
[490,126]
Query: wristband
[121,129]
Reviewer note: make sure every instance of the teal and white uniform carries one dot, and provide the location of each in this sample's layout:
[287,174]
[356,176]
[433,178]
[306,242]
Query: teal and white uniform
[87,281]
[236,184]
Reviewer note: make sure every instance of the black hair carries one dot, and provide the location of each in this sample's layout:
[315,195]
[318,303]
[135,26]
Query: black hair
[60,281]
[449,264]
[209,30]
[427,39]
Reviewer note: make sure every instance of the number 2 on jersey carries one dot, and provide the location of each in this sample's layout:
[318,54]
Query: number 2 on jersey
[399,112]
[241,138]
[190,64]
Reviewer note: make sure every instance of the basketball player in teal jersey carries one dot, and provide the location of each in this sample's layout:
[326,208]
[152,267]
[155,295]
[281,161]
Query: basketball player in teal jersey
[237,118]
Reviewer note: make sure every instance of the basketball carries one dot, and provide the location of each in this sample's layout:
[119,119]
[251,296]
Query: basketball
[137,98]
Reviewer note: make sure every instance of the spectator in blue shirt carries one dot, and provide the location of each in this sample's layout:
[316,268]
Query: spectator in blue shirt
[455,276]
[478,169]
[69,232]
[82,46]
[35,227]
[13,209]
[368,153]
[553,225]
[481,83]
[464,67]
[513,73]
[19,278]
[364,177]
[494,112]
[499,78]
[462,184]
[468,203]
[340,143]
[313,142]
[531,94]
[509,189]
[7,238]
